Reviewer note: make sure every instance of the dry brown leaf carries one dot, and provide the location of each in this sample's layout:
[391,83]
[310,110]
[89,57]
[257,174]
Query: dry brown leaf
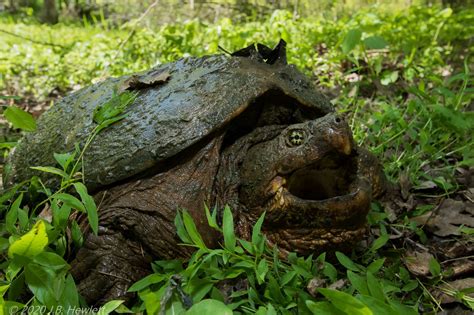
[418,262]
[450,215]
[147,79]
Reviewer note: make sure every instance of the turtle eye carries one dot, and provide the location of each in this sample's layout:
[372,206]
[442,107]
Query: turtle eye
[296,137]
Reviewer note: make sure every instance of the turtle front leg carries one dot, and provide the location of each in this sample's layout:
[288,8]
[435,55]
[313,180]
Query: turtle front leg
[107,265]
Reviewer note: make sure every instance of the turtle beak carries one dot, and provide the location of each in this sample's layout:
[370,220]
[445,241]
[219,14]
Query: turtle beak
[339,135]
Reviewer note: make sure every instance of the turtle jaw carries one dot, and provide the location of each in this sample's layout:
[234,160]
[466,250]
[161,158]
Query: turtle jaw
[319,206]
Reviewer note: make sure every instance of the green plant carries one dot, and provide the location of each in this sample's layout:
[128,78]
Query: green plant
[36,245]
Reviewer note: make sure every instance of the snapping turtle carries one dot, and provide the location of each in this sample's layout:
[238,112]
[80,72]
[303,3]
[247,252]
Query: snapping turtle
[246,130]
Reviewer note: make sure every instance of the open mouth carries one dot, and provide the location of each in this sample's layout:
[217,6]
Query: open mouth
[320,207]
[327,178]
[330,192]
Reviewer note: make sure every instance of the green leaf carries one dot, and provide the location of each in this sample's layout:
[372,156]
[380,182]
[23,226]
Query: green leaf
[32,243]
[375,288]
[69,297]
[256,231]
[375,266]
[345,302]
[64,159]
[323,308]
[351,40]
[228,229]
[410,286]
[212,218]
[192,230]
[71,201]
[375,42]
[52,170]
[379,242]
[261,271]
[51,260]
[358,282]
[146,282]
[12,214]
[109,307]
[209,306]
[347,262]
[435,267]
[180,229]
[19,118]
[76,234]
[109,112]
[377,306]
[60,214]
[90,206]
[330,271]
[40,282]
[389,77]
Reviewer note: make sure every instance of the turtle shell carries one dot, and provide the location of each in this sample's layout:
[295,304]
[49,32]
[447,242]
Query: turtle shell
[197,98]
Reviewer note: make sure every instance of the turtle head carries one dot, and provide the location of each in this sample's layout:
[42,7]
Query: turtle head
[308,181]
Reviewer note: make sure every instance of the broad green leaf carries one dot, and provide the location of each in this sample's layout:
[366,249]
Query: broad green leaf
[51,260]
[12,214]
[256,231]
[330,271]
[379,242]
[32,243]
[60,214]
[52,170]
[375,42]
[435,267]
[228,229]
[64,159]
[389,77]
[109,112]
[209,306]
[180,229]
[212,218]
[19,118]
[275,290]
[323,308]
[358,282]
[3,244]
[410,286]
[71,201]
[192,230]
[375,266]
[109,307]
[90,206]
[147,281]
[375,288]
[345,302]
[247,246]
[351,40]
[347,262]
[262,270]
[69,298]
[377,306]
[40,281]
[199,288]
[76,234]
